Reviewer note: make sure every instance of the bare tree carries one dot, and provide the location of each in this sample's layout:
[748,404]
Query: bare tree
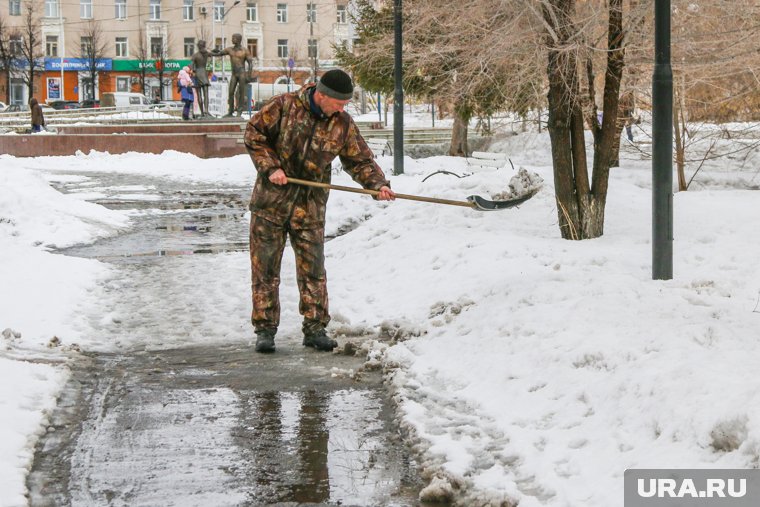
[458,57]
[6,55]
[93,48]
[31,50]
[142,53]
[716,73]
[581,202]
[161,55]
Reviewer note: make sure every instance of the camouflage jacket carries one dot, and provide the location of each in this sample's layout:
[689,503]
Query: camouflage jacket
[285,134]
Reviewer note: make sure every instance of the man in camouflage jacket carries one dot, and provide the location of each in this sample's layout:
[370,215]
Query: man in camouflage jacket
[298,135]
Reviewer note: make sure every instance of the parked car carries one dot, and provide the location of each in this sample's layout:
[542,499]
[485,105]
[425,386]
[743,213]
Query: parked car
[23,108]
[169,104]
[16,108]
[90,103]
[64,104]
[125,99]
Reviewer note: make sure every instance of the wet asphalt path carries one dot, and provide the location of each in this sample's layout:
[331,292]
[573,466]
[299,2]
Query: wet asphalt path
[220,425]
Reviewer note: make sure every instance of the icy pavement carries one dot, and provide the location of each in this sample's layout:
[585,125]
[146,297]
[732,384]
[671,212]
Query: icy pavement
[171,406]
[222,425]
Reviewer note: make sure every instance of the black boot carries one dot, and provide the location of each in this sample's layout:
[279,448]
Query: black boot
[265,341]
[319,340]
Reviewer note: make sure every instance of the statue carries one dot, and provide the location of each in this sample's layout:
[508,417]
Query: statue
[200,73]
[239,56]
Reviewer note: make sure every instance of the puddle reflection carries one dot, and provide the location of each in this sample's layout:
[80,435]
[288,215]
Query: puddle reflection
[316,447]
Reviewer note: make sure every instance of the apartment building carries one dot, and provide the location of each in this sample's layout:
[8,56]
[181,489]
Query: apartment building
[149,41]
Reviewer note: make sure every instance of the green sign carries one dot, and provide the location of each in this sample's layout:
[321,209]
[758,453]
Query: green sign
[222,60]
[148,65]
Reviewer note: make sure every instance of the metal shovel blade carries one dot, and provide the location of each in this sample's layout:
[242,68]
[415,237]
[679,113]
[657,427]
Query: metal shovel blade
[486,205]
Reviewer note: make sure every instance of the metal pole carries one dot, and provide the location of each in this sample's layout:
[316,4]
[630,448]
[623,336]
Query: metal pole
[398,95]
[63,45]
[662,146]
[224,8]
[213,37]
[432,111]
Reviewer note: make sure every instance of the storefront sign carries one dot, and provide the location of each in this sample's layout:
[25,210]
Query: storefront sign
[19,63]
[77,64]
[149,65]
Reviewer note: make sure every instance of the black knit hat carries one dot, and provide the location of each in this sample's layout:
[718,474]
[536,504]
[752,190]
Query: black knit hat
[336,84]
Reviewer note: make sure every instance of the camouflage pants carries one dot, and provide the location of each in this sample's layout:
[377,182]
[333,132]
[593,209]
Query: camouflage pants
[267,242]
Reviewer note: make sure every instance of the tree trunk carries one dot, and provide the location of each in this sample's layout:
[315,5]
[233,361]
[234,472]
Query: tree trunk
[458,146]
[8,84]
[679,140]
[559,126]
[580,208]
[30,83]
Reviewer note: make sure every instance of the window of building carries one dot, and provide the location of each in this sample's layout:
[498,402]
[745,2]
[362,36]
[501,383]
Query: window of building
[51,45]
[85,44]
[253,47]
[219,43]
[313,53]
[251,12]
[120,7]
[187,10]
[122,46]
[155,9]
[342,14]
[15,44]
[189,46]
[51,8]
[218,10]
[14,7]
[18,91]
[282,48]
[282,13]
[85,9]
[156,47]
[122,83]
[311,13]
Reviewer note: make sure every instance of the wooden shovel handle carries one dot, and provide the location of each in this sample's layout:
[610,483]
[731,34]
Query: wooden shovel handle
[434,200]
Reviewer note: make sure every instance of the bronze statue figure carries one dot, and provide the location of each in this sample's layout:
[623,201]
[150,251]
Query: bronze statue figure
[199,60]
[239,57]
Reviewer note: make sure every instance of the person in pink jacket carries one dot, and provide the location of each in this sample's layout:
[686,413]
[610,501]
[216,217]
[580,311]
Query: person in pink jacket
[185,82]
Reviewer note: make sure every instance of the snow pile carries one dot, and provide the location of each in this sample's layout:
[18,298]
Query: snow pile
[39,300]
[33,213]
[521,184]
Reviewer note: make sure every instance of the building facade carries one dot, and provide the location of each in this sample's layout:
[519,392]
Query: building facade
[140,45]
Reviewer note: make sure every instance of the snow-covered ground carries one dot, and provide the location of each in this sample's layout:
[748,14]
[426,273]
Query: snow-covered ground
[527,367]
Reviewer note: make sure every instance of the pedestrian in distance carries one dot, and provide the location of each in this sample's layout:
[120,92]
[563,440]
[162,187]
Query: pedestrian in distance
[38,119]
[626,106]
[185,83]
[298,135]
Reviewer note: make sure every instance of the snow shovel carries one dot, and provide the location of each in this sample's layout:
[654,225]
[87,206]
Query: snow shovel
[473,201]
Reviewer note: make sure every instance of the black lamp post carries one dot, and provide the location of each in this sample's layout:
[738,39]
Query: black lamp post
[662,146]
[398,95]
